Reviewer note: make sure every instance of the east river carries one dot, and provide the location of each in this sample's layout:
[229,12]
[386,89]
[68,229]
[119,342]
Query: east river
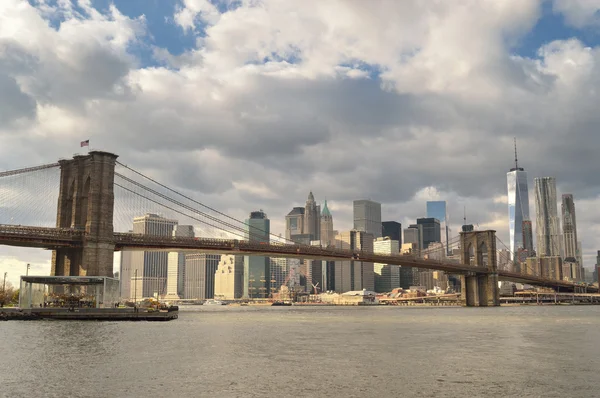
[210,351]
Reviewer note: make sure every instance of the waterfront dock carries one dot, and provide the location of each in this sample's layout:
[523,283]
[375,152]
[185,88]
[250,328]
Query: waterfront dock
[88,314]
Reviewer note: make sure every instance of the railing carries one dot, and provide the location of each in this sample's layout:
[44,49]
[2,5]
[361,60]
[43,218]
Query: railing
[316,252]
[41,232]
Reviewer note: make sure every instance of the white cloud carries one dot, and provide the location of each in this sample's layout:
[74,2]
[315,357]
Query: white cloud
[579,13]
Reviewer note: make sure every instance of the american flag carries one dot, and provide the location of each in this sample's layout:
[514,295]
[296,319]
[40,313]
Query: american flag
[85,143]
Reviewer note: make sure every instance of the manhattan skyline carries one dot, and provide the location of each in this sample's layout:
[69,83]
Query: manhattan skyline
[263,124]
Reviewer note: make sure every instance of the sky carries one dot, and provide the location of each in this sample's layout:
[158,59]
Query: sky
[251,104]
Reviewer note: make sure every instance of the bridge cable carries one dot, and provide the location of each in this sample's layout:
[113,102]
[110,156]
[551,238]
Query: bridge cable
[177,211]
[28,169]
[199,203]
[188,207]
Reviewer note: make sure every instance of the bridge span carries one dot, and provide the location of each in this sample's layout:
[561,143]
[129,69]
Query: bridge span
[54,238]
[84,241]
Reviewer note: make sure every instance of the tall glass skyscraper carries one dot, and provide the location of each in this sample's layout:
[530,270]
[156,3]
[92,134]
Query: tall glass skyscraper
[548,234]
[518,204]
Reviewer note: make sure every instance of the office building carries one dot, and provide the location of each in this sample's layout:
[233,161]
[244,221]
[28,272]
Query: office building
[437,209]
[229,277]
[200,269]
[176,264]
[327,236]
[367,217]
[279,272]
[151,267]
[431,231]
[354,275]
[392,230]
[518,204]
[548,235]
[409,276]
[294,223]
[551,267]
[569,227]
[257,270]
[387,276]
[414,234]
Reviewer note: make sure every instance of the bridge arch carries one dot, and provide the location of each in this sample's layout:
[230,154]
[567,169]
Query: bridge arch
[84,198]
[482,255]
[470,255]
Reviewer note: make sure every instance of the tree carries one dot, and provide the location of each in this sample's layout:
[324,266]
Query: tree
[7,294]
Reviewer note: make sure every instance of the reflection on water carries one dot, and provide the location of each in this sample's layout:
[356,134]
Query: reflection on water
[291,351]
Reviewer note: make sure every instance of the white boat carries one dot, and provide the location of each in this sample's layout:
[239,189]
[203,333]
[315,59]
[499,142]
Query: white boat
[214,302]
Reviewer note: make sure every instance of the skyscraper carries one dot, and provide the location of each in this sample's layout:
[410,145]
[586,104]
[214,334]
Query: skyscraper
[431,231]
[176,264]
[437,209]
[151,266]
[257,270]
[518,204]
[528,238]
[294,223]
[393,230]
[414,234]
[367,217]
[569,226]
[326,226]
[387,276]
[548,240]
[200,269]
[312,218]
[354,275]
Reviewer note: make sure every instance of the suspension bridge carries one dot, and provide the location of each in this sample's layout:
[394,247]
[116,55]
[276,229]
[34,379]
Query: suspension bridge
[82,209]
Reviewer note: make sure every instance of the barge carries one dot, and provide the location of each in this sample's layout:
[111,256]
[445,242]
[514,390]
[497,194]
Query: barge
[89,314]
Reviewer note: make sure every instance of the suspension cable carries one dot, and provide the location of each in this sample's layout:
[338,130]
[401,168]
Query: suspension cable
[28,169]
[197,202]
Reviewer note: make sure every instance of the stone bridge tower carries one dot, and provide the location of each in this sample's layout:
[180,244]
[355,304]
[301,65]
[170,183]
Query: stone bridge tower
[85,202]
[478,248]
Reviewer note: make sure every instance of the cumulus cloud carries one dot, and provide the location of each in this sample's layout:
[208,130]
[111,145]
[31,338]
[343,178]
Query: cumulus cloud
[347,98]
[579,13]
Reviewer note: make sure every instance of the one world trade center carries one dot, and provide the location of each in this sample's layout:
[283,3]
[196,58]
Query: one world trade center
[518,204]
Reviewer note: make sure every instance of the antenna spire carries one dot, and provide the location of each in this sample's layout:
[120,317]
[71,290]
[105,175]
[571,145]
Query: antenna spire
[465,215]
[516,161]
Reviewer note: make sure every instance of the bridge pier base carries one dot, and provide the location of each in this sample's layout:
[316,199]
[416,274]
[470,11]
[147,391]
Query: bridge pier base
[479,289]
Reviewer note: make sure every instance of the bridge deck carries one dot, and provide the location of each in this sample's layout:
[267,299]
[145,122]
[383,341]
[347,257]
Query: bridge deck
[53,238]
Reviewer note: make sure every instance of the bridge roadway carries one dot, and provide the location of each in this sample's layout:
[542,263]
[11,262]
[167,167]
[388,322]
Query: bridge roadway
[53,238]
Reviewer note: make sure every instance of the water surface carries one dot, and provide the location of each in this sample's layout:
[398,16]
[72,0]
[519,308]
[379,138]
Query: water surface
[212,351]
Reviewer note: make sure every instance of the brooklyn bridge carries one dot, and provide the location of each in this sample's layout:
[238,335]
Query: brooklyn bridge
[95,192]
